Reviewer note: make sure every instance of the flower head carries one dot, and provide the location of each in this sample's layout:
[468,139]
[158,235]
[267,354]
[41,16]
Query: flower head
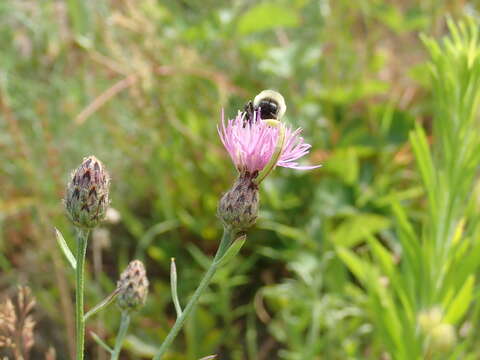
[132,287]
[86,196]
[252,143]
[256,146]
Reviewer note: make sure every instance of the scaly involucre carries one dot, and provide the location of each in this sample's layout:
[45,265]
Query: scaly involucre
[86,198]
[132,286]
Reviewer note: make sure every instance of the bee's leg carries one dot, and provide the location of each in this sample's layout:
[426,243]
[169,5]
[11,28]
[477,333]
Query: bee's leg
[249,113]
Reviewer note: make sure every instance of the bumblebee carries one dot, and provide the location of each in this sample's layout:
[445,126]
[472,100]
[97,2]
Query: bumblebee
[270,103]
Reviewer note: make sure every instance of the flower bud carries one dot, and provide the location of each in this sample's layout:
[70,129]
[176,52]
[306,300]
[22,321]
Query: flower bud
[430,318]
[86,198]
[443,337]
[440,335]
[238,208]
[132,287]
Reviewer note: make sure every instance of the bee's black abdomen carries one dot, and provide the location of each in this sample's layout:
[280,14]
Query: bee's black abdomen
[268,109]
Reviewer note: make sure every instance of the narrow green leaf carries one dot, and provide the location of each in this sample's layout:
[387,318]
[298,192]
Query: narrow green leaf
[232,250]
[385,260]
[356,265]
[419,142]
[357,228]
[173,285]
[461,302]
[105,302]
[407,237]
[462,267]
[65,249]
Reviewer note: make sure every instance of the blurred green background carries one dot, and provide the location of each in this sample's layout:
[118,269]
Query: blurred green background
[141,84]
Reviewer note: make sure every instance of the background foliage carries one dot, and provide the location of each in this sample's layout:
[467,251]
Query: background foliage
[141,85]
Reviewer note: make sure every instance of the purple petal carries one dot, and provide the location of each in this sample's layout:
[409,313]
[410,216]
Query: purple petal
[252,144]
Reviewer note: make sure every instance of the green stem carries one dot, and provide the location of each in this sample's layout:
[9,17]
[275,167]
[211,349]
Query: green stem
[227,238]
[122,331]
[82,237]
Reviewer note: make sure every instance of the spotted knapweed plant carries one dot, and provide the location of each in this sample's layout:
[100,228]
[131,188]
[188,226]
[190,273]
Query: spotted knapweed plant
[86,201]
[255,145]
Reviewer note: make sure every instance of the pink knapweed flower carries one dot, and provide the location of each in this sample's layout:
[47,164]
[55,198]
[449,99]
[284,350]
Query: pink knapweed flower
[252,143]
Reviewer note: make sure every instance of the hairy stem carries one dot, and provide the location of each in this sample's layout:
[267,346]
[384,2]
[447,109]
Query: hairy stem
[82,237]
[122,331]
[222,248]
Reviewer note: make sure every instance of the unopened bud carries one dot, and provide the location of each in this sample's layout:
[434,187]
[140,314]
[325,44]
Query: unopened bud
[86,198]
[133,287]
[430,318]
[440,335]
[238,208]
[443,337]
